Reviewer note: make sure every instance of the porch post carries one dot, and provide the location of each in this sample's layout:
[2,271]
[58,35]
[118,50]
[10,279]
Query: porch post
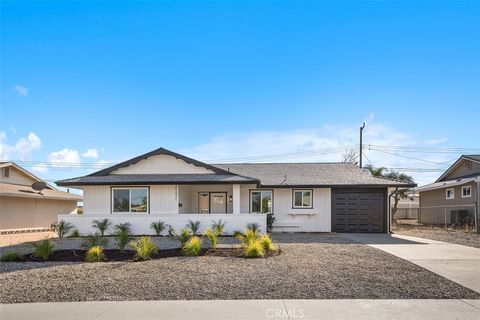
[236,198]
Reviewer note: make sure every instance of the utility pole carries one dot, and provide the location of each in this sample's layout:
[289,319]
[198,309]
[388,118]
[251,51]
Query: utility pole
[361,143]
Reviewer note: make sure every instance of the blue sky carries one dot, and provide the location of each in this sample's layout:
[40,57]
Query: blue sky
[222,80]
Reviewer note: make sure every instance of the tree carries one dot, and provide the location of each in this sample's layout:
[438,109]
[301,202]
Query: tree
[392,175]
[350,156]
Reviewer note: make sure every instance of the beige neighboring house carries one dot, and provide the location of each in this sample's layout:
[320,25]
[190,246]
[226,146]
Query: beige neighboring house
[22,207]
[454,196]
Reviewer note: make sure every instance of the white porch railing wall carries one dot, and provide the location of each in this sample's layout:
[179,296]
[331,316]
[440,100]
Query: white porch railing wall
[141,222]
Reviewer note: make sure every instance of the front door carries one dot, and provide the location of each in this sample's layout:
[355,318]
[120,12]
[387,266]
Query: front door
[204,202]
[218,202]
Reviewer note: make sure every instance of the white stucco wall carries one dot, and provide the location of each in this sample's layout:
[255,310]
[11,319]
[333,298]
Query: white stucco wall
[141,222]
[161,164]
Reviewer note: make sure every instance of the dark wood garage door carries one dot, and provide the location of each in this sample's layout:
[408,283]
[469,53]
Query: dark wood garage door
[358,210]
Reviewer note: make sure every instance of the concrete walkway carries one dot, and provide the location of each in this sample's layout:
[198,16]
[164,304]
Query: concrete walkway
[458,263]
[247,309]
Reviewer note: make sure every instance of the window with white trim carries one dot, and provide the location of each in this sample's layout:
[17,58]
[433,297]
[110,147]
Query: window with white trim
[450,194]
[302,199]
[6,172]
[130,200]
[466,192]
[261,201]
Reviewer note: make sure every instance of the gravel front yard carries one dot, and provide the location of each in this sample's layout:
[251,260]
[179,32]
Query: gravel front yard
[310,267]
[435,233]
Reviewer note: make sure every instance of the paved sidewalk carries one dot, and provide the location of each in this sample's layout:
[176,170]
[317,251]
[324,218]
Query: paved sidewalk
[458,263]
[247,310]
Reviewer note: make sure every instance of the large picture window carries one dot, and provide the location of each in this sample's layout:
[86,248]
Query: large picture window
[129,200]
[261,201]
[302,199]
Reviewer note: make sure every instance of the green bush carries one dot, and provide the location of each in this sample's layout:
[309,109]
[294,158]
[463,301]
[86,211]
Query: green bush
[218,226]
[145,248]
[75,234]
[95,254]
[62,228]
[93,240]
[123,238]
[158,226]
[194,226]
[248,236]
[254,249]
[123,227]
[212,236]
[11,256]
[43,249]
[267,243]
[184,236]
[193,247]
[101,225]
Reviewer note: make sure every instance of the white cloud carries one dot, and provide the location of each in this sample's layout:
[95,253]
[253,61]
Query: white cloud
[90,153]
[40,169]
[21,90]
[20,150]
[64,156]
[238,146]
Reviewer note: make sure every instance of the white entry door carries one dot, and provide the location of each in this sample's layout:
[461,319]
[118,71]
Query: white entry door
[218,202]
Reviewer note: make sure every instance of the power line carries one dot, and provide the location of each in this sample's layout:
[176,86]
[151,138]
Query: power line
[408,157]
[423,149]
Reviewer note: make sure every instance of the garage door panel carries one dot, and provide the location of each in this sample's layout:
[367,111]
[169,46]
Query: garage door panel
[358,211]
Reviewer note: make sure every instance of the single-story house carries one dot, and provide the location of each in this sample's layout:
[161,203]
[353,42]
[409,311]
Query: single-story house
[455,194]
[23,208]
[303,197]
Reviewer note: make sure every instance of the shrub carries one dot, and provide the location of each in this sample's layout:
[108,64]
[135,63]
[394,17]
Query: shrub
[158,226]
[75,234]
[62,228]
[270,221]
[193,247]
[254,249]
[145,248]
[194,226]
[93,240]
[95,254]
[43,249]
[11,256]
[101,225]
[123,238]
[218,227]
[248,236]
[212,236]
[184,236]
[267,243]
[125,227]
[253,226]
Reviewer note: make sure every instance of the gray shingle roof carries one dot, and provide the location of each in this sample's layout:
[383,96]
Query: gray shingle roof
[308,174]
[142,179]
[475,157]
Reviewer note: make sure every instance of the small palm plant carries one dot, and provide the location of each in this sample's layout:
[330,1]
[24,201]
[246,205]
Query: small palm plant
[43,249]
[95,254]
[184,236]
[193,247]
[145,248]
[62,228]
[253,226]
[250,235]
[218,226]
[212,236]
[11,256]
[93,240]
[254,249]
[267,243]
[75,234]
[158,226]
[123,227]
[101,225]
[194,226]
[123,238]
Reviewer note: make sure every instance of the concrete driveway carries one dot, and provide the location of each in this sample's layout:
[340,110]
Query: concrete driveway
[458,263]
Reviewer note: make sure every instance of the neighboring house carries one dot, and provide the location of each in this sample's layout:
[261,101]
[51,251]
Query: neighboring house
[163,185]
[454,195]
[22,207]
